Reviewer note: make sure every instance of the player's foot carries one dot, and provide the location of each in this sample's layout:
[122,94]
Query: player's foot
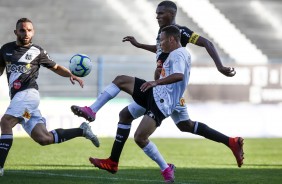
[1,171]
[236,145]
[88,134]
[85,112]
[105,164]
[168,173]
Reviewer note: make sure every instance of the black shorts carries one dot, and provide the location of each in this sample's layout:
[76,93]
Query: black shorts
[146,100]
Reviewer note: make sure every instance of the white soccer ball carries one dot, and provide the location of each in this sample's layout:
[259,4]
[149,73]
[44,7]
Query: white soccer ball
[80,65]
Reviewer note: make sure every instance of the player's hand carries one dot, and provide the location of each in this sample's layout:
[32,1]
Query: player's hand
[75,78]
[227,71]
[147,85]
[132,40]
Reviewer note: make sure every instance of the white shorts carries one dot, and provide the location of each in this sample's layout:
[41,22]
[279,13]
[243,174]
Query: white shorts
[24,106]
[179,114]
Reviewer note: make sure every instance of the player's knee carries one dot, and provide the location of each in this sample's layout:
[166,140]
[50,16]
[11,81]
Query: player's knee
[6,124]
[186,126]
[125,116]
[140,140]
[44,140]
[119,80]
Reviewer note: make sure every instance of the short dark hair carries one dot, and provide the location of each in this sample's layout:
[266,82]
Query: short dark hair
[21,20]
[169,5]
[172,30]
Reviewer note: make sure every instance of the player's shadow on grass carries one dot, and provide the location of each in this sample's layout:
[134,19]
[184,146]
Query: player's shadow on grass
[78,174]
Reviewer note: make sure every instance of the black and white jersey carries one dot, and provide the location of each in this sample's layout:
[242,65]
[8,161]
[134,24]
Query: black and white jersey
[22,65]
[187,36]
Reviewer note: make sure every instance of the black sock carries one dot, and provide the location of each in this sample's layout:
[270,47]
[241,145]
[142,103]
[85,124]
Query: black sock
[6,141]
[62,135]
[122,134]
[209,133]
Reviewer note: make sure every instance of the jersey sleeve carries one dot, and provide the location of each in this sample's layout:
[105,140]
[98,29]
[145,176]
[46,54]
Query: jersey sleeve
[178,63]
[2,61]
[188,36]
[45,60]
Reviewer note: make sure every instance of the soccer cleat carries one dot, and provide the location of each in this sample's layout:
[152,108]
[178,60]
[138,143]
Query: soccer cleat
[236,145]
[105,164]
[85,112]
[168,173]
[88,134]
[1,171]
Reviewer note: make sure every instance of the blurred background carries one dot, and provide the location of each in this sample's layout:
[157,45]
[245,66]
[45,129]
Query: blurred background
[246,33]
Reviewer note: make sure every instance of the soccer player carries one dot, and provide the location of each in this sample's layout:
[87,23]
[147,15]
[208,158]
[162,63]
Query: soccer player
[22,60]
[158,97]
[166,13]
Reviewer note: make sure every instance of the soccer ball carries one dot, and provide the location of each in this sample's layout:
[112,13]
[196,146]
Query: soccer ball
[80,65]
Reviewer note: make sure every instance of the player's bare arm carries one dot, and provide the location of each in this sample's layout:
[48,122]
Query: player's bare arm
[134,42]
[167,80]
[64,72]
[203,42]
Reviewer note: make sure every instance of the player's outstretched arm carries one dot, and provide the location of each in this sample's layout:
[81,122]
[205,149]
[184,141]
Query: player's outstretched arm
[167,80]
[64,72]
[227,71]
[134,42]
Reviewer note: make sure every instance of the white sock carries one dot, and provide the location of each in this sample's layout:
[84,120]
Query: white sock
[152,151]
[109,93]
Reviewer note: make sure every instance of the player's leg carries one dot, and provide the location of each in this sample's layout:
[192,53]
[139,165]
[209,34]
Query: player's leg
[146,127]
[126,116]
[122,82]
[36,128]
[6,140]
[185,124]
[17,111]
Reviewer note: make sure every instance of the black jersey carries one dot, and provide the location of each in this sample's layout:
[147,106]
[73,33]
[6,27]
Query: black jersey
[22,65]
[187,36]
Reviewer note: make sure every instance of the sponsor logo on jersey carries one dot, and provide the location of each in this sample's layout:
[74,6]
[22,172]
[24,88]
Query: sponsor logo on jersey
[9,54]
[159,64]
[17,84]
[18,68]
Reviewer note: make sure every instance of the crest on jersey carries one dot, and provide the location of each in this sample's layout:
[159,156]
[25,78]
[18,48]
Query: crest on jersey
[163,72]
[26,114]
[28,56]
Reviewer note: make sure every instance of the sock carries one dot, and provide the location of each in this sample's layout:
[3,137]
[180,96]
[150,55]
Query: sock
[62,135]
[6,141]
[109,93]
[209,133]
[152,151]
[122,134]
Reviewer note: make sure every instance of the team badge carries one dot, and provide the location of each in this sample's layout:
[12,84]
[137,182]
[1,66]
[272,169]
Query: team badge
[26,114]
[182,101]
[163,72]
[28,56]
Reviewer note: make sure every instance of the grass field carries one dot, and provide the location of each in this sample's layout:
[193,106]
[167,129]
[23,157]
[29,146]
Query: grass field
[198,161]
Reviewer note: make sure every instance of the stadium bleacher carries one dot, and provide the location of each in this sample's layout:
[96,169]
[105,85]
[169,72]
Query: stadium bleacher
[93,27]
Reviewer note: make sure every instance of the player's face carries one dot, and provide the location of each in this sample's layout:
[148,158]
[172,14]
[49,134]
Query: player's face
[24,32]
[164,43]
[164,16]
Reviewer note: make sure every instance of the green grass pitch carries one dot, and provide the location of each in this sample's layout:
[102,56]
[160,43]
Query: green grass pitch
[198,161]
